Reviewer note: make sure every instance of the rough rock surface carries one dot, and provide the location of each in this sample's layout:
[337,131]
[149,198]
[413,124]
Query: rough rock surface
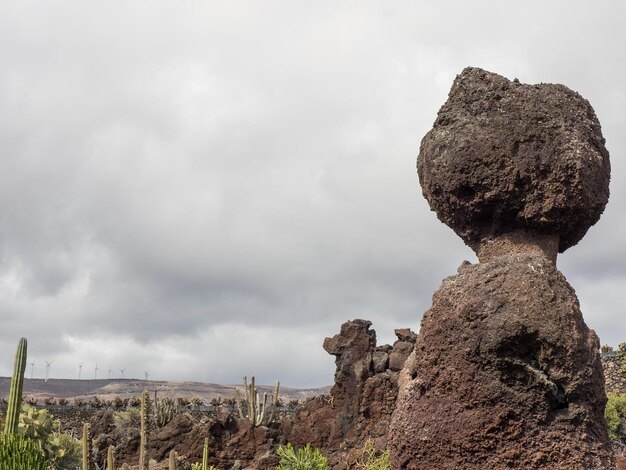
[505,156]
[362,399]
[505,375]
[614,365]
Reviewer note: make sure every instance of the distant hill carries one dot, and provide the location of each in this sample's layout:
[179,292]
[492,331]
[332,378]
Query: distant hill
[107,389]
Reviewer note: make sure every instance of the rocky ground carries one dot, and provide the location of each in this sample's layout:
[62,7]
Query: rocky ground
[357,408]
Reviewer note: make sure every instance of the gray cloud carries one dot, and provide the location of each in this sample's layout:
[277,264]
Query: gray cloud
[209,190]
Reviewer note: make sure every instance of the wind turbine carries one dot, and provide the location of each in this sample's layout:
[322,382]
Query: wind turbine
[146,374]
[122,371]
[32,368]
[48,364]
[110,370]
[95,376]
[80,368]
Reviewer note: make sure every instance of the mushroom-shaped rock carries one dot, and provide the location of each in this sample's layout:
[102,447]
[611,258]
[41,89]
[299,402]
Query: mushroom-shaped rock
[509,158]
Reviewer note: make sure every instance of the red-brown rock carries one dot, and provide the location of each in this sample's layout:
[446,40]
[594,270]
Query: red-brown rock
[505,374]
[362,399]
[505,156]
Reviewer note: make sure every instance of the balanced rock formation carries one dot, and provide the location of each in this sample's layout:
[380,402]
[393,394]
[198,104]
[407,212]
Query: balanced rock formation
[505,373]
[504,157]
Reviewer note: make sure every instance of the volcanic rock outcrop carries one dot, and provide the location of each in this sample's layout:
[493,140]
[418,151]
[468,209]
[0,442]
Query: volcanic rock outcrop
[362,399]
[505,373]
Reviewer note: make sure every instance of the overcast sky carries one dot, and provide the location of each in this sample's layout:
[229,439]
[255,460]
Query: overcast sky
[203,190]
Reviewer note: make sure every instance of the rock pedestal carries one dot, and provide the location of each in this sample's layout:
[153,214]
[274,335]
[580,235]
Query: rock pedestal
[505,373]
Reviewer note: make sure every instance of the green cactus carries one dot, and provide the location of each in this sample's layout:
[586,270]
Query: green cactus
[38,425]
[205,454]
[205,459]
[111,458]
[86,446]
[173,460]
[164,410]
[15,395]
[18,452]
[144,458]
[255,409]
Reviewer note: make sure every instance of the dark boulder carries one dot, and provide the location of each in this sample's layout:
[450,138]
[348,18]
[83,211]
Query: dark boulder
[505,156]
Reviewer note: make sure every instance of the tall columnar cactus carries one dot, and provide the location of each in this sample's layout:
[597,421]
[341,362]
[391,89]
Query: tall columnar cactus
[111,458]
[86,442]
[144,458]
[17,384]
[205,454]
[256,409]
[173,460]
[270,418]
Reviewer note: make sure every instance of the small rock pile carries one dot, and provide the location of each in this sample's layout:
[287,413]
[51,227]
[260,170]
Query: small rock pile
[505,373]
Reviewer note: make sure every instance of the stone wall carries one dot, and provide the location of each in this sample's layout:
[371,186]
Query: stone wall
[614,364]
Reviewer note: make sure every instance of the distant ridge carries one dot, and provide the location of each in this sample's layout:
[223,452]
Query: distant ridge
[107,389]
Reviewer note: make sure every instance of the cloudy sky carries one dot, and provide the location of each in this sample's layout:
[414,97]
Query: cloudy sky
[203,190]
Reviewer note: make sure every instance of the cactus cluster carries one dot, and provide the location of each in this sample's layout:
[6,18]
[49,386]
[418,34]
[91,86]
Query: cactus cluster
[164,410]
[21,452]
[18,452]
[255,409]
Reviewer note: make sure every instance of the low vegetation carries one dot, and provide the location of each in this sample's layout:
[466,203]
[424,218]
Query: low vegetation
[614,415]
[370,459]
[304,458]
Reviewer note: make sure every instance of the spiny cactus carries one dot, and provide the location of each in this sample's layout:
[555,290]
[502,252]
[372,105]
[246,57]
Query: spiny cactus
[164,410]
[17,452]
[86,442]
[15,395]
[111,458]
[173,460]
[205,459]
[144,458]
[256,409]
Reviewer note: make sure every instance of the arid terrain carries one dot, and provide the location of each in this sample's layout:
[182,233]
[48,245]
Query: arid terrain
[106,389]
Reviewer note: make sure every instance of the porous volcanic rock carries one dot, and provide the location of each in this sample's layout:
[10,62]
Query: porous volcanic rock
[505,156]
[362,399]
[505,374]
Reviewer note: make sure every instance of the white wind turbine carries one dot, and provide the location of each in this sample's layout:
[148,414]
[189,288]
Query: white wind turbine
[146,374]
[48,365]
[80,369]
[110,370]
[32,368]
[95,375]
[122,371]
